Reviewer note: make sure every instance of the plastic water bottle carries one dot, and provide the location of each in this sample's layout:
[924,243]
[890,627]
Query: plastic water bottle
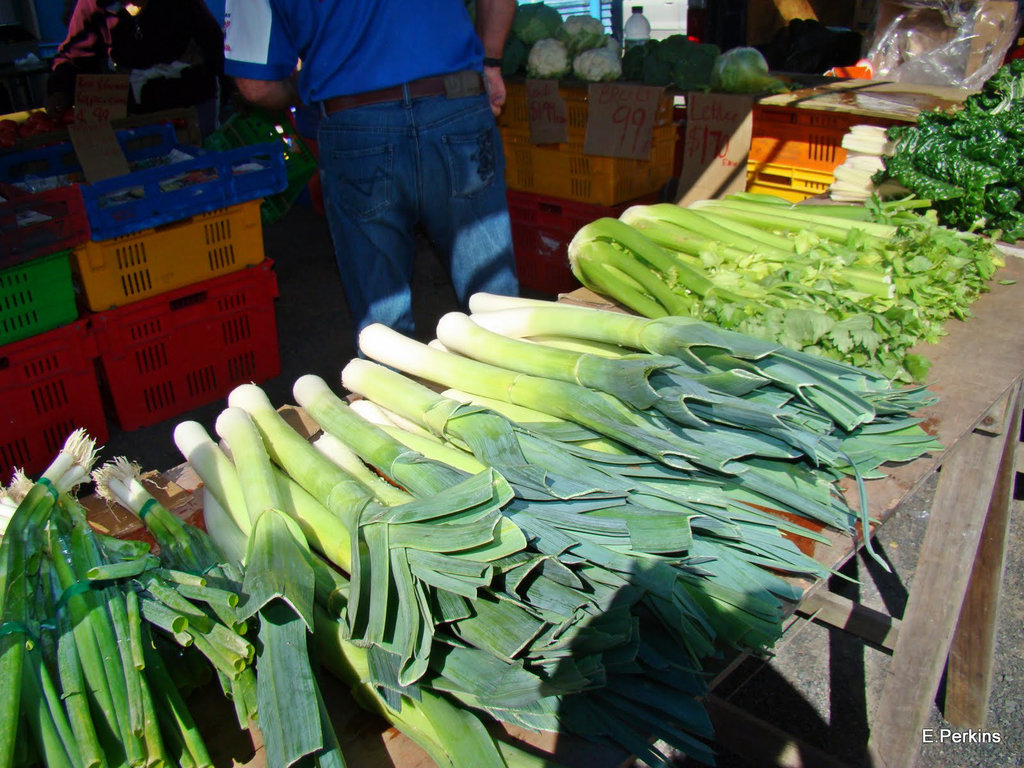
[637,29]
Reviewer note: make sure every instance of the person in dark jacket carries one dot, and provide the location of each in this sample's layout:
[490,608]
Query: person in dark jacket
[172,50]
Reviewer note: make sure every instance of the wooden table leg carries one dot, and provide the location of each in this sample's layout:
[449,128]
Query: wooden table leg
[969,668]
[967,482]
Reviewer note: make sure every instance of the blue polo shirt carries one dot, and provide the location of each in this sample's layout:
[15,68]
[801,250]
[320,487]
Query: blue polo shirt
[348,46]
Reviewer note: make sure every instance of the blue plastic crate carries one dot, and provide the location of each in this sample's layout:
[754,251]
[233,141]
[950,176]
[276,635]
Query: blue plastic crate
[138,144]
[161,194]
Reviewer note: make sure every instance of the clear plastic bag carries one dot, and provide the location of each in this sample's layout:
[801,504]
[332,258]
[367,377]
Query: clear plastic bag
[953,43]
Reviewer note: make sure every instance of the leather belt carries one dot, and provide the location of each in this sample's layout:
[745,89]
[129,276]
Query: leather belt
[455,85]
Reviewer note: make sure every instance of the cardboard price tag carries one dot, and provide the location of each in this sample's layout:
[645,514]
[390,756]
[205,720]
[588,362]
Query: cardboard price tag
[100,98]
[620,119]
[546,112]
[717,145]
[98,152]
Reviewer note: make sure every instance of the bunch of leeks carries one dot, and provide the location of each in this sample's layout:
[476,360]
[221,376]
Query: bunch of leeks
[360,643]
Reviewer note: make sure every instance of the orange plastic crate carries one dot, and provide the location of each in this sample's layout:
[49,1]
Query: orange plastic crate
[563,170]
[804,138]
[132,267]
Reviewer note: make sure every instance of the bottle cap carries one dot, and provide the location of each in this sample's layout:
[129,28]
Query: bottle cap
[638,9]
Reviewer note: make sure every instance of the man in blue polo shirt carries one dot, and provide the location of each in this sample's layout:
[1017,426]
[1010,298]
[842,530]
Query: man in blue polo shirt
[408,91]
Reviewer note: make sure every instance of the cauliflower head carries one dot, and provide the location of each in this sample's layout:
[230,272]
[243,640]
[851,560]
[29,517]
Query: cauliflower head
[549,58]
[581,33]
[597,65]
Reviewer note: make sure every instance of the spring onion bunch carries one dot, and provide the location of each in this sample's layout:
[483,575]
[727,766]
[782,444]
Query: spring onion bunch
[85,619]
[856,283]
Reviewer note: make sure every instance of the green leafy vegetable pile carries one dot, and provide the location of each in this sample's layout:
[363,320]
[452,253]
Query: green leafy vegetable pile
[676,60]
[854,283]
[968,163]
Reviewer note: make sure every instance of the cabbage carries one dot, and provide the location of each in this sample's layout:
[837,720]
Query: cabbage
[536,21]
[597,64]
[581,33]
[548,58]
[743,70]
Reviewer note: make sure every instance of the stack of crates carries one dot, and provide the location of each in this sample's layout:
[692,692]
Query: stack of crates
[48,382]
[554,189]
[794,151]
[176,294]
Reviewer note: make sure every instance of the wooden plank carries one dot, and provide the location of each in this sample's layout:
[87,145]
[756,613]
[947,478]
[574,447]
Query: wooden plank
[875,627]
[762,743]
[950,544]
[969,668]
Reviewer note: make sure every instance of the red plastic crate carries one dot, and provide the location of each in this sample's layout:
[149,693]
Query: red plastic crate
[541,230]
[49,388]
[37,224]
[185,348]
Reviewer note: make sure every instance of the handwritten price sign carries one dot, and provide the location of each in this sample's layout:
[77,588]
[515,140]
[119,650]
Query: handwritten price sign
[620,119]
[717,144]
[100,98]
[546,112]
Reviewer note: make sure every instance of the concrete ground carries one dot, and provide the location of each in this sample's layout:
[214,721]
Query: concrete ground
[821,685]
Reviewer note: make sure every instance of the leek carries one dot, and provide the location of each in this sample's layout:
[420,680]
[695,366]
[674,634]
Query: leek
[89,683]
[596,410]
[280,584]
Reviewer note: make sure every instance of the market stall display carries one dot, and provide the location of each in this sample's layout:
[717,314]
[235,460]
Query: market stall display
[953,417]
[558,520]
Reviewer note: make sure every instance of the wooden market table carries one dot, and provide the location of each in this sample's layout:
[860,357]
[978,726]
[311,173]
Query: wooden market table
[950,617]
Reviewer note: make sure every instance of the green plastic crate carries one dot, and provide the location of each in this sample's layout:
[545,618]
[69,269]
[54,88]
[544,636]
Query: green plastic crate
[258,126]
[36,296]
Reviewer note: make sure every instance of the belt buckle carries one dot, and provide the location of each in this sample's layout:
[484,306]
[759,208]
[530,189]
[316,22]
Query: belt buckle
[460,84]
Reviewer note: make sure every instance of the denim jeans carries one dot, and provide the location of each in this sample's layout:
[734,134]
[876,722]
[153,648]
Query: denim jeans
[435,162]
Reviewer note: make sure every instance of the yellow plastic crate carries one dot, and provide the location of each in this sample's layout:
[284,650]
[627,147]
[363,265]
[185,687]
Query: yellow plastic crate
[516,114]
[790,182]
[121,270]
[563,170]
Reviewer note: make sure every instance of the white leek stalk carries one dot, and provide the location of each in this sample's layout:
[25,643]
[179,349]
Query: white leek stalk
[216,470]
[375,414]
[415,437]
[383,491]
